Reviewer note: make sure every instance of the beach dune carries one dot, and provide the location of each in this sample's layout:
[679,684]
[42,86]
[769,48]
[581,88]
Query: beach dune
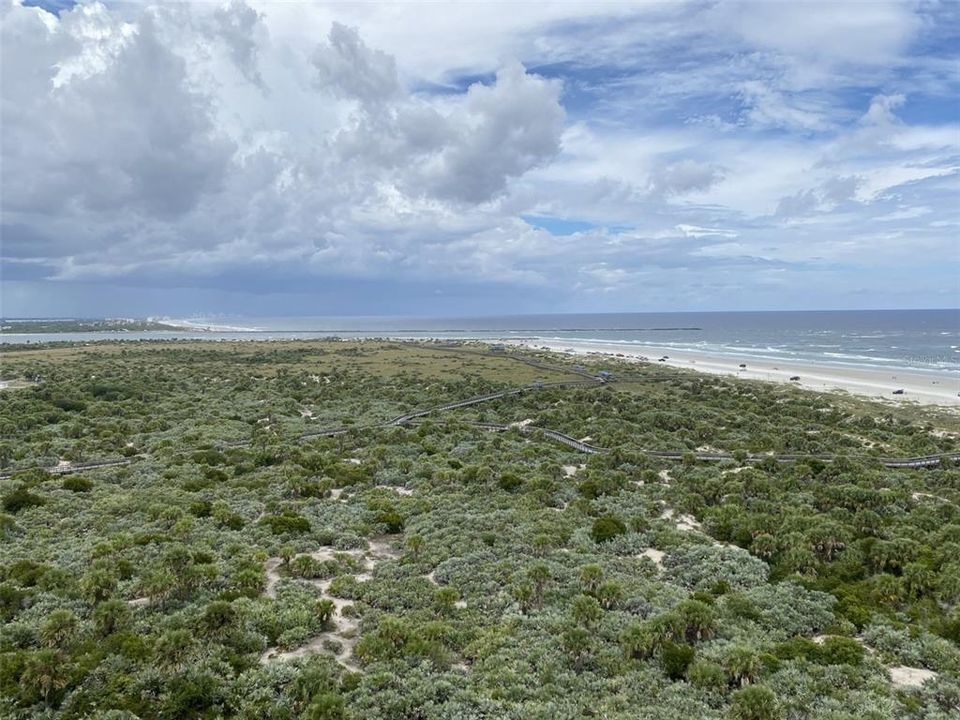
[925,388]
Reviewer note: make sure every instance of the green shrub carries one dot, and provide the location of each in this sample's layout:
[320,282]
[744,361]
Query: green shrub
[707,675]
[740,606]
[326,706]
[797,648]
[288,522]
[75,483]
[754,702]
[20,499]
[676,660]
[201,508]
[509,481]
[840,651]
[606,528]
[950,629]
[392,519]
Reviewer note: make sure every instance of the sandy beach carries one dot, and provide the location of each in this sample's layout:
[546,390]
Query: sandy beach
[924,388]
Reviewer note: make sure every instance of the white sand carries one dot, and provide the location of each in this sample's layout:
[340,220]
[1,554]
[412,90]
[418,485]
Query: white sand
[684,523]
[654,555]
[521,423]
[918,387]
[905,676]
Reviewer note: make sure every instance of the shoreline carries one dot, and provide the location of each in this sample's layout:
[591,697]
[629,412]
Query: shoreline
[919,387]
[202,326]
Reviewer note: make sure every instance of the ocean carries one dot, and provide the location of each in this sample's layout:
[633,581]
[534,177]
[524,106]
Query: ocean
[926,340]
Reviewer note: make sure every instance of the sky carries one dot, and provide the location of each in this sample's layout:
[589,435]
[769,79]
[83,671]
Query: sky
[445,159]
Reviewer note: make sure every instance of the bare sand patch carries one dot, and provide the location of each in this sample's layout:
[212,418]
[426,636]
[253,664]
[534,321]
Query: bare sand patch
[654,555]
[905,676]
[382,547]
[273,577]
[399,489]
[686,523]
[921,495]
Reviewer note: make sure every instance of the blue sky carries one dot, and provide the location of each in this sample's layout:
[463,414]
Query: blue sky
[450,159]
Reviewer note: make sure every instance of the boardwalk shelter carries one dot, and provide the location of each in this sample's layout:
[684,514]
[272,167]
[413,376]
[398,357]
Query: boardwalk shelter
[605,375]
[498,348]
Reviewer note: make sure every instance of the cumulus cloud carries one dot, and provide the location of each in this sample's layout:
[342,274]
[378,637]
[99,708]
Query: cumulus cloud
[347,67]
[502,131]
[110,124]
[256,147]
[112,135]
[239,26]
[462,151]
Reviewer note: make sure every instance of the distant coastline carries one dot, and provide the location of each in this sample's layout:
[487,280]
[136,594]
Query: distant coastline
[917,341]
[79,325]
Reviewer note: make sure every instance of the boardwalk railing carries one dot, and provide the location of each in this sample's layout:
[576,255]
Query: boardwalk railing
[74,467]
[555,435]
[580,446]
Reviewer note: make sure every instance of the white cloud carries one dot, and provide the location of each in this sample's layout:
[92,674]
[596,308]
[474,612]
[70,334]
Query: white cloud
[346,66]
[881,110]
[241,29]
[258,143]
[685,176]
[696,231]
[824,198]
[904,213]
[818,31]
[88,131]
[768,107]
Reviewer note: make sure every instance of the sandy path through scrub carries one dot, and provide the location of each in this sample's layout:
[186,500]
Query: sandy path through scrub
[345,628]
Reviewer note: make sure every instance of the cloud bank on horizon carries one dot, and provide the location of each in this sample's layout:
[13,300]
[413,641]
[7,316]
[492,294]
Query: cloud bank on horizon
[461,158]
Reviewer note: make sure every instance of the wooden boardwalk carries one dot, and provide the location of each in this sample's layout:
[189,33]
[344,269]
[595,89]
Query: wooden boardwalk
[588,380]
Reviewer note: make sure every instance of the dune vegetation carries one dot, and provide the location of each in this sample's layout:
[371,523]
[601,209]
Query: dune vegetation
[237,564]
